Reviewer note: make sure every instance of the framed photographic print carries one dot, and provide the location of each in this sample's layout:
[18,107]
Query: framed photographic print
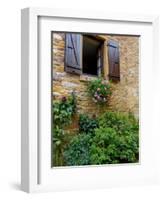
[88,116]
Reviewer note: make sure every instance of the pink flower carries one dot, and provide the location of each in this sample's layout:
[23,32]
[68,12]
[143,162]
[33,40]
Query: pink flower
[98,97]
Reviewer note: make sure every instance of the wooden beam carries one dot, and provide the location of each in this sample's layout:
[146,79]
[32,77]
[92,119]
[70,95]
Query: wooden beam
[105,61]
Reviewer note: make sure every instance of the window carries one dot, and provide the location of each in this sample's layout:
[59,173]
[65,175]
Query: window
[92,55]
[84,55]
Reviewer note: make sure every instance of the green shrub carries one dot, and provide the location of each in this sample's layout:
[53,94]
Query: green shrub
[77,152]
[114,140]
[126,127]
[120,122]
[108,147]
[103,149]
[99,90]
[87,124]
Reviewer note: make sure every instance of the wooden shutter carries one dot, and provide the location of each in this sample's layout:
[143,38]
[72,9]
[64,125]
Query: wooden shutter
[73,53]
[114,66]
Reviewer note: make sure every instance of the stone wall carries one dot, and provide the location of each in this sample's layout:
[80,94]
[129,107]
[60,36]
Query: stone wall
[125,94]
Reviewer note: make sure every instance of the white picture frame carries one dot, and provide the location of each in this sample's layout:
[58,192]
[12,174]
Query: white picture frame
[36,171]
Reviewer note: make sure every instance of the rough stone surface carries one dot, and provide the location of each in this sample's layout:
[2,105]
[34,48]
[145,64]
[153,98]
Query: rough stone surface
[125,94]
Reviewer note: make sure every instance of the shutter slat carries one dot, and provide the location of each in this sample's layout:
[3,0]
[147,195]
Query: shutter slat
[114,66]
[74,47]
[73,53]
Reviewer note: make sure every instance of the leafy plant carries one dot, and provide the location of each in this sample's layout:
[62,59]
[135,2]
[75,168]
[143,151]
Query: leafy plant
[77,153]
[114,140]
[103,149]
[99,90]
[63,110]
[58,140]
[120,122]
[108,147]
[87,124]
[58,135]
[127,134]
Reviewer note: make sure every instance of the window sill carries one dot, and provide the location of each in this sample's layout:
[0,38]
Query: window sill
[87,78]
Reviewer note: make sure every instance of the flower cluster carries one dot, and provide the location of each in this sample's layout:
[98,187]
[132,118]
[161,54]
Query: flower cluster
[99,90]
[98,97]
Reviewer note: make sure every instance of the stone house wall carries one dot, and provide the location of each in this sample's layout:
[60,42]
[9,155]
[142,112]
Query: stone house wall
[125,94]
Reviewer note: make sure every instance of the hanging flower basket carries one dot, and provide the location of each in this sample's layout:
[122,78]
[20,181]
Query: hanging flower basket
[99,90]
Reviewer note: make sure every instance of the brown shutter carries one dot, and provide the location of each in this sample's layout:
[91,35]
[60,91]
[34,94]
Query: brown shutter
[114,66]
[73,53]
